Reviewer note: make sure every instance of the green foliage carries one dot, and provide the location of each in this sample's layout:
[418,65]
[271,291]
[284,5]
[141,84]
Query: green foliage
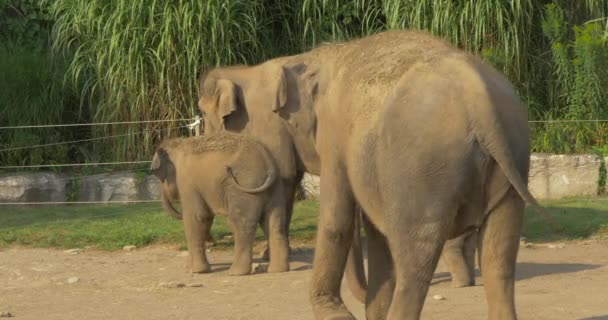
[576,84]
[32,93]
[24,23]
[601,152]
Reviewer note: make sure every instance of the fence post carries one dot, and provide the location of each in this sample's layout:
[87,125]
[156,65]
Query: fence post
[197,127]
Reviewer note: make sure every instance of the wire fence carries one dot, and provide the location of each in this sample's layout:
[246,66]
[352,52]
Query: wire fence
[78,202]
[119,163]
[92,124]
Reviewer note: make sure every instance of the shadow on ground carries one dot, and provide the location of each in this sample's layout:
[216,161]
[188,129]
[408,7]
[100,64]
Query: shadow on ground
[527,270]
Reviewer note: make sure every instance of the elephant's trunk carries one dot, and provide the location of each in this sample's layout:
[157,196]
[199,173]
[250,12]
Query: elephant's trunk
[354,272]
[270,177]
[168,206]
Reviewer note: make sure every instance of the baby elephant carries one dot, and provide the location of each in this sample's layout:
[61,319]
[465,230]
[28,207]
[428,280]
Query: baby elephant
[225,174]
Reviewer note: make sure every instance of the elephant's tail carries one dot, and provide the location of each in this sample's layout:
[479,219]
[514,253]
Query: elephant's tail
[491,134]
[271,174]
[355,272]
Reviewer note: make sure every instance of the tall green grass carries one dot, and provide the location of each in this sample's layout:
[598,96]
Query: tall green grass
[138,60]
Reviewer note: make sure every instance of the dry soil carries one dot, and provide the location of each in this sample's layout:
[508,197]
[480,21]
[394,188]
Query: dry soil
[554,282]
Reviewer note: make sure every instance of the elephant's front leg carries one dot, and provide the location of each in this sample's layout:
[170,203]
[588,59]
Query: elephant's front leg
[290,194]
[244,228]
[334,237]
[197,222]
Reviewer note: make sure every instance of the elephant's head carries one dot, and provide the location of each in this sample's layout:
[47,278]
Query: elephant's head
[272,101]
[164,169]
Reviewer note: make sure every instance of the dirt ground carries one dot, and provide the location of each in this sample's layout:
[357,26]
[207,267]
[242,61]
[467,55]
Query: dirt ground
[553,282]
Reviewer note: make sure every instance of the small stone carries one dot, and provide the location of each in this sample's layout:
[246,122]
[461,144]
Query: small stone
[73,280]
[438,297]
[528,245]
[73,251]
[194,285]
[171,285]
[5,314]
[129,248]
[557,246]
[183,254]
[259,267]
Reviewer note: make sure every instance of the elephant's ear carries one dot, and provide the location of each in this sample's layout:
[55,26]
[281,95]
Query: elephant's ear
[158,167]
[281,90]
[225,95]
[155,165]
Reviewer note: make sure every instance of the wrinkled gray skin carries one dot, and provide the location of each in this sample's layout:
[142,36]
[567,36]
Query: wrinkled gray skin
[225,174]
[427,140]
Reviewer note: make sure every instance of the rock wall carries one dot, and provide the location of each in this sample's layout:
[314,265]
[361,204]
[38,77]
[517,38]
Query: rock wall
[551,177]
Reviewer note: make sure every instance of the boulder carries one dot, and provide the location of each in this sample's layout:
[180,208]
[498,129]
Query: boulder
[34,187]
[311,185]
[150,188]
[110,187]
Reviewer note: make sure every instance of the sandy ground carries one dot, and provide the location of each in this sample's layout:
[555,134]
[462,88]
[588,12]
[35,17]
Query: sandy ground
[552,283]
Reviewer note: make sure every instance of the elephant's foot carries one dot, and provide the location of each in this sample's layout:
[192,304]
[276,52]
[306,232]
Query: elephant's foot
[200,268]
[266,254]
[326,308]
[239,269]
[461,283]
[278,267]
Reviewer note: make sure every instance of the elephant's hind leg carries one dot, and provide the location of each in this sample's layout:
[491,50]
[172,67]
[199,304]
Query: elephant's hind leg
[415,252]
[278,244]
[499,243]
[381,278]
[244,216]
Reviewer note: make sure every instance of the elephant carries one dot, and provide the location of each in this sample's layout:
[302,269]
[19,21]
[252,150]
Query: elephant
[429,141]
[274,137]
[212,174]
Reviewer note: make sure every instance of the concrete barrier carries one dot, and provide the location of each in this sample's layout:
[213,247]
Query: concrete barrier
[560,176]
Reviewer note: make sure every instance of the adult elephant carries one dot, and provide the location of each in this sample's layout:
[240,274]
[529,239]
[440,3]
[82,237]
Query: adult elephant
[430,142]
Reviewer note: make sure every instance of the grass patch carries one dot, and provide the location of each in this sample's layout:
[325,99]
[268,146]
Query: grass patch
[111,227]
[579,219]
